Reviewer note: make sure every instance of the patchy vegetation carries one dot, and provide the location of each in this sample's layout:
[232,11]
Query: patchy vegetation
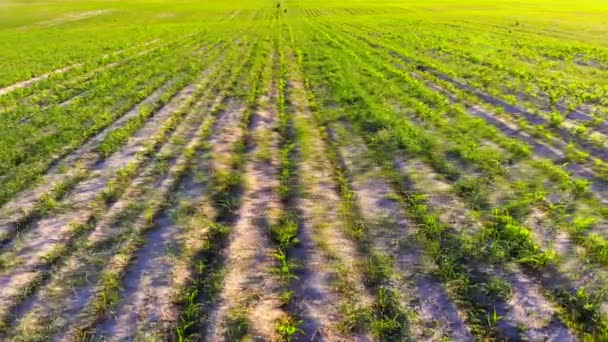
[303,170]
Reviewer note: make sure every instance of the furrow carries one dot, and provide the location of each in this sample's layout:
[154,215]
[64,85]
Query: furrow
[103,250]
[203,260]
[249,290]
[160,320]
[66,128]
[82,324]
[476,276]
[83,158]
[91,171]
[328,285]
[393,233]
[129,170]
[70,88]
[33,80]
[513,110]
[534,316]
[147,290]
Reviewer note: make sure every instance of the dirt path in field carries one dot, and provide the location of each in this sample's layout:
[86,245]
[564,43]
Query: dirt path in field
[227,132]
[148,284]
[31,81]
[423,179]
[86,155]
[393,233]
[249,289]
[87,158]
[161,189]
[324,251]
[527,308]
[93,74]
[572,117]
[553,151]
[507,127]
[453,212]
[71,17]
[540,149]
[78,81]
[528,305]
[52,232]
[89,74]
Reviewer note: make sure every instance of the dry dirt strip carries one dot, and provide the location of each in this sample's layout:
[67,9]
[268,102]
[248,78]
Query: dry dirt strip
[527,308]
[323,252]
[149,191]
[186,129]
[147,303]
[52,232]
[180,114]
[86,79]
[393,233]
[249,288]
[33,80]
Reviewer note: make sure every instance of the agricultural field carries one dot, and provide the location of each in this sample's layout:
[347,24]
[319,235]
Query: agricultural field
[303,170]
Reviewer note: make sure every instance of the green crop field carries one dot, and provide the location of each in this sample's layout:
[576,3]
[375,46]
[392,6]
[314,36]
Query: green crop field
[278,170]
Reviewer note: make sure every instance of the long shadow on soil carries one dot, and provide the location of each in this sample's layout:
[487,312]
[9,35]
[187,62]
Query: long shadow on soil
[303,285]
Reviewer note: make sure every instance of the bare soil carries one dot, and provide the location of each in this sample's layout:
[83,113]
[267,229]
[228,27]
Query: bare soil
[393,233]
[249,284]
